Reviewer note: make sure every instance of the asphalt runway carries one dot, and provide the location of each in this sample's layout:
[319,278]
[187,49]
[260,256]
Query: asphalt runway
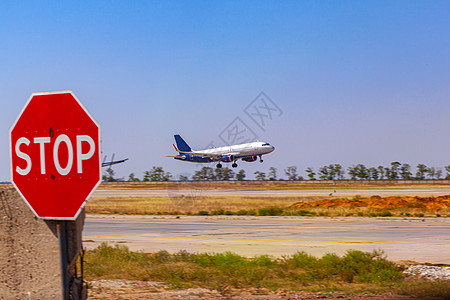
[271,193]
[423,240]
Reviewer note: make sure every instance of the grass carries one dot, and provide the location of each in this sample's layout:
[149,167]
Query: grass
[356,271]
[248,206]
[213,205]
[425,288]
[279,184]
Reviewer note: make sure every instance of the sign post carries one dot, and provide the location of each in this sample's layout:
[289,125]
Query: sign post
[55,161]
[64,253]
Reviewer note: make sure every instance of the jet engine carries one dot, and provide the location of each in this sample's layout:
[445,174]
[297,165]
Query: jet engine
[250,158]
[227,158]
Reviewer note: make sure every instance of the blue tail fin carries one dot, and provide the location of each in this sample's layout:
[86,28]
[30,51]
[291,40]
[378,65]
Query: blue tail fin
[181,144]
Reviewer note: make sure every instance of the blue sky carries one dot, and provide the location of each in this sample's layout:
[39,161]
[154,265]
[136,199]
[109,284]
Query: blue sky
[356,81]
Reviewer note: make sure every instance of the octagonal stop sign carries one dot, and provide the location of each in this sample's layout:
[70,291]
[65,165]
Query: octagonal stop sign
[55,155]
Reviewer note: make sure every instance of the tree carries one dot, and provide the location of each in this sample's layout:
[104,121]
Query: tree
[387,173]
[331,172]
[373,173]
[447,169]
[291,173]
[272,173]
[394,171]
[324,173]
[338,171]
[434,173]
[310,173]
[353,172]
[109,177]
[205,173]
[240,175]
[431,172]
[405,171]
[223,174]
[183,177]
[421,171]
[157,174]
[132,178]
[381,172]
[260,175]
[359,171]
[363,172]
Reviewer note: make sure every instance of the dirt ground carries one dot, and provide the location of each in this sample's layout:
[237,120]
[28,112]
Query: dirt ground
[383,203]
[133,290]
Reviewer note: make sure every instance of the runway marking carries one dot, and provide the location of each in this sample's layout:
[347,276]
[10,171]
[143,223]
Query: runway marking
[258,240]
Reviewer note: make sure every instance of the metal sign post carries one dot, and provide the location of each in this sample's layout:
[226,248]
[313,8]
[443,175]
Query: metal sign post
[63,250]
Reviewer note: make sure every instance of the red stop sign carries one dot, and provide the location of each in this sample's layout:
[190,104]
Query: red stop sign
[55,155]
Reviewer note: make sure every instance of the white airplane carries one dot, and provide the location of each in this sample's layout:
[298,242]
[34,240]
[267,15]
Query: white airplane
[247,152]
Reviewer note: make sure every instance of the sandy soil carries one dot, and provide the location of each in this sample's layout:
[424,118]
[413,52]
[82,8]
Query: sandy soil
[133,290]
[383,203]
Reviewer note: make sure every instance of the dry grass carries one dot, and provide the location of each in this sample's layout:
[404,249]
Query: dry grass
[189,205]
[5,186]
[279,184]
[247,205]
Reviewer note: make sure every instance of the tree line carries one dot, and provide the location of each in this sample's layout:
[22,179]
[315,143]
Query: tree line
[394,171]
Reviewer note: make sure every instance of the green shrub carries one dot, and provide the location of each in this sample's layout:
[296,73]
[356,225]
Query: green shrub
[366,267]
[252,212]
[162,256]
[302,213]
[385,214]
[264,261]
[270,211]
[302,260]
[222,270]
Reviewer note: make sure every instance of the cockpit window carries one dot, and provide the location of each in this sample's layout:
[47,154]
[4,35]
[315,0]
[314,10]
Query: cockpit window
[266,144]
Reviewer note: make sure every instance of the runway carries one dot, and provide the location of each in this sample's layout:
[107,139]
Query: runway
[272,193]
[416,239]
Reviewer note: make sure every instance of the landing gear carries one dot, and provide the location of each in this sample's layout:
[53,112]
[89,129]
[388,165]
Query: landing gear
[260,159]
[219,165]
[234,165]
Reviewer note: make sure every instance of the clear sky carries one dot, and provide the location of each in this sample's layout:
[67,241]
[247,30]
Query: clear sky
[355,81]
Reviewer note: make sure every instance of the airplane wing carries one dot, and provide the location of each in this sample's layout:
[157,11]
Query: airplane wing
[110,163]
[177,156]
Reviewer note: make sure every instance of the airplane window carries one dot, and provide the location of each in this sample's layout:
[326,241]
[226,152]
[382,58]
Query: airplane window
[266,144]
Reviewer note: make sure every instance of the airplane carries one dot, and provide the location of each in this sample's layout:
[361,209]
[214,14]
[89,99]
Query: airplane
[247,152]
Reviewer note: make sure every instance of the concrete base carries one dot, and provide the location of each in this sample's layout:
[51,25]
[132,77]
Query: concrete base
[30,265]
